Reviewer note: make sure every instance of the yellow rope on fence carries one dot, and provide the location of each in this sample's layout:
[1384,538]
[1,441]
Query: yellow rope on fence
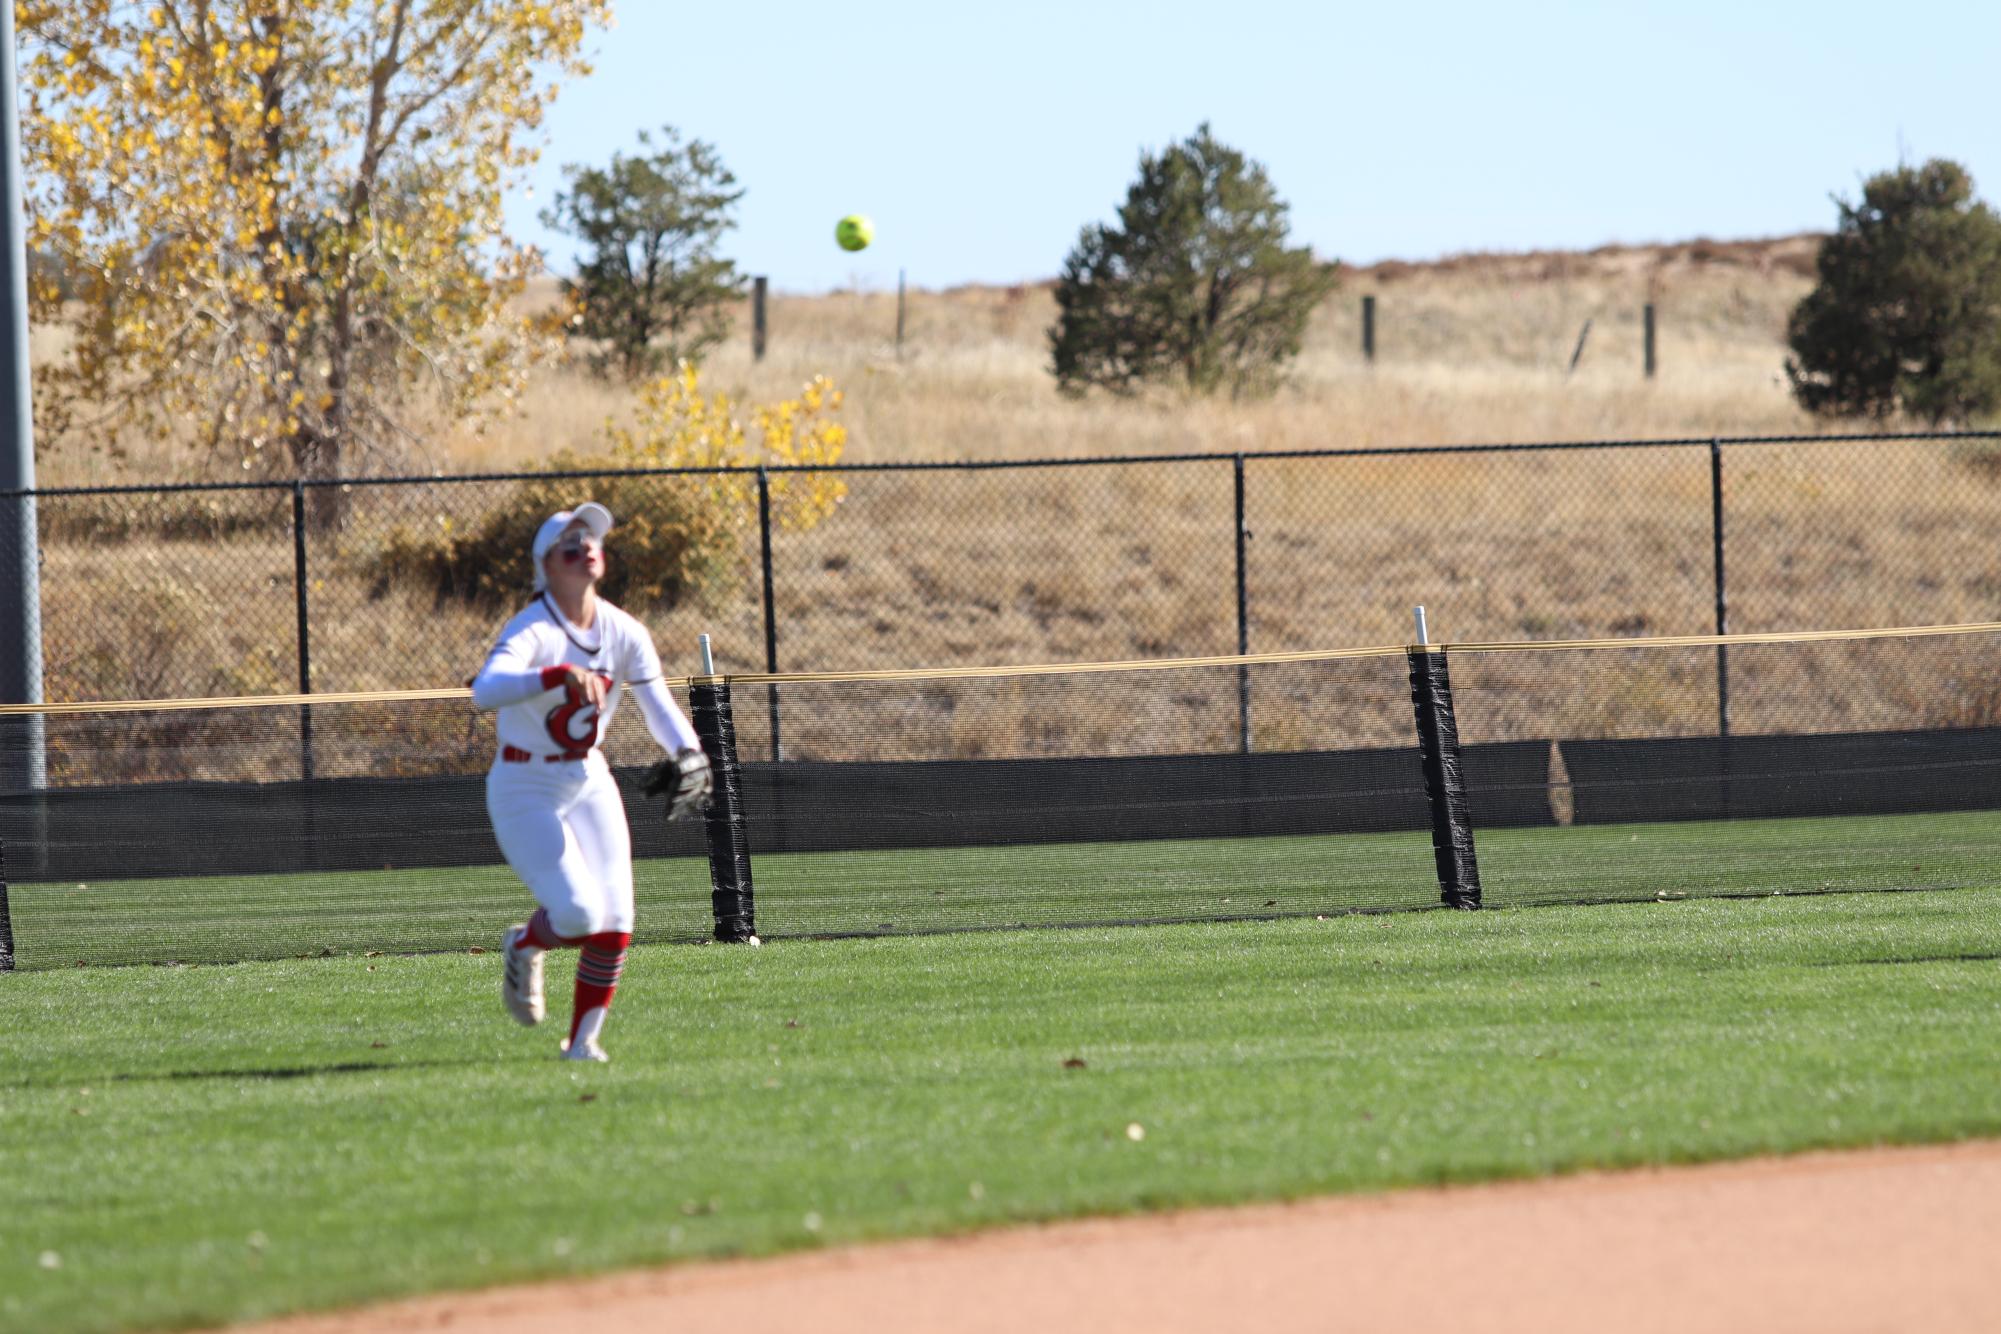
[1041,669]
[1057,668]
[238,701]
[1706,641]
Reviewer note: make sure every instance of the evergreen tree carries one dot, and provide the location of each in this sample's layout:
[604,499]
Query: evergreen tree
[1193,282]
[1907,312]
[651,289]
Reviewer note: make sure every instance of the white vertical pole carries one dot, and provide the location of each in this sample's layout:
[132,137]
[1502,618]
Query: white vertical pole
[708,657]
[1423,631]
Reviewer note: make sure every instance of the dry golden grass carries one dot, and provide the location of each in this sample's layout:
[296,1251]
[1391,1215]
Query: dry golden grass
[1116,562]
[1469,349]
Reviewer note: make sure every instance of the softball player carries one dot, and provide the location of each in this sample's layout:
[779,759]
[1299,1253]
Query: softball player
[553,681]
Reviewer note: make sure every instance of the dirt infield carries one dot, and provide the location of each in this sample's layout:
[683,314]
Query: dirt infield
[1894,1239]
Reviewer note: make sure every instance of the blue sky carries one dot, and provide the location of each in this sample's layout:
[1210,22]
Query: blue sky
[979,138]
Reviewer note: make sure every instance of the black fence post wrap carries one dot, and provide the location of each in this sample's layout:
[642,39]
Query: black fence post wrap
[1722,605]
[728,835]
[1243,620]
[1444,778]
[305,642]
[6,919]
[770,605]
[1368,328]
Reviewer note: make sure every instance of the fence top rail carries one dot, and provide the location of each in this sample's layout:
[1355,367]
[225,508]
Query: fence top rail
[1047,668]
[1001,465]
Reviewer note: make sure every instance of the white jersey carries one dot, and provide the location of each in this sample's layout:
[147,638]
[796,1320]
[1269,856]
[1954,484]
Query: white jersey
[555,721]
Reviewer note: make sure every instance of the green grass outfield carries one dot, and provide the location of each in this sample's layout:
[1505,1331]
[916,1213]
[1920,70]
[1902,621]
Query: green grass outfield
[226,918]
[198,1144]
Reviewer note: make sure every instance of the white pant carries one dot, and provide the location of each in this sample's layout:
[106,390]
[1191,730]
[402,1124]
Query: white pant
[562,828]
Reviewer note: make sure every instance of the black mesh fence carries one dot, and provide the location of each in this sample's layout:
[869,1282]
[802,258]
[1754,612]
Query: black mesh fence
[163,595]
[1041,798]
[1817,791]
[409,588]
[400,583]
[1500,545]
[397,584]
[1073,798]
[1017,564]
[185,835]
[1863,532]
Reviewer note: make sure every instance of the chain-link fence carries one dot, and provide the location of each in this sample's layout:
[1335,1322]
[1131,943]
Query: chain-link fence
[256,588]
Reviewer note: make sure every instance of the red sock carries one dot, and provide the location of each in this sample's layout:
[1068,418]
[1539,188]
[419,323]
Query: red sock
[540,935]
[598,967]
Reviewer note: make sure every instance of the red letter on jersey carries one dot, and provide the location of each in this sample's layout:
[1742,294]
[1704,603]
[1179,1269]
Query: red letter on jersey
[573,724]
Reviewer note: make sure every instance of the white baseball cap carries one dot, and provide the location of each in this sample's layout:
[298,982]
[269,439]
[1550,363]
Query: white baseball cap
[595,518]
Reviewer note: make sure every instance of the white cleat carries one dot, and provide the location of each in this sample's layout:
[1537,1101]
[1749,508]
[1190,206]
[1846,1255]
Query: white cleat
[521,979]
[583,1051]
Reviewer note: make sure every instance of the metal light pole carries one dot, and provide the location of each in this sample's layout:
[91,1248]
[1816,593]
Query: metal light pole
[22,757]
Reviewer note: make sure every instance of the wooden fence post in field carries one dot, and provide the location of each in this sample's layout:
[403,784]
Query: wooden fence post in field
[758,288]
[1368,328]
[1578,353]
[1650,340]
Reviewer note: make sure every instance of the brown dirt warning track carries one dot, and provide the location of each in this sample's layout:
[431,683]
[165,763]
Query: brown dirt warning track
[1878,1240]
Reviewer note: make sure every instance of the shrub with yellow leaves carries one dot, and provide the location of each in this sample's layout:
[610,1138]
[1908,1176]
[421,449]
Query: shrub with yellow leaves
[679,428]
[678,535]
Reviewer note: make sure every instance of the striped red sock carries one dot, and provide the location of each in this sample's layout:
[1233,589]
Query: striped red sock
[598,968]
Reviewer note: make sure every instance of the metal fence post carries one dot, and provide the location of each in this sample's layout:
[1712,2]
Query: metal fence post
[1651,363]
[304,632]
[758,287]
[1243,617]
[770,610]
[1368,328]
[1722,606]
[23,740]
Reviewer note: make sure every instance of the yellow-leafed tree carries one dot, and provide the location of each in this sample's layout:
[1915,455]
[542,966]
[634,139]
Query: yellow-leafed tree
[280,220]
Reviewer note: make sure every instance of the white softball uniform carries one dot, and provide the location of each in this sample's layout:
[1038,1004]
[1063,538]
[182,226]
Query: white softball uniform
[555,808]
